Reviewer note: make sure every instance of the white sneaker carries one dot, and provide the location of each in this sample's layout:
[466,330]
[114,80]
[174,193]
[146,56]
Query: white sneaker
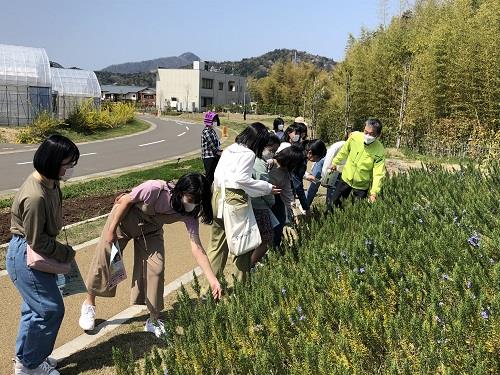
[43,369]
[87,317]
[158,328]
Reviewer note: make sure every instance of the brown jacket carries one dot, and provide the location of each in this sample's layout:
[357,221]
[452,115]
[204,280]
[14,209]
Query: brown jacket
[36,214]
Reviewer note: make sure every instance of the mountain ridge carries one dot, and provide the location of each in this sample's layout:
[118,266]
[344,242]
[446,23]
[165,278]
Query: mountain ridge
[142,73]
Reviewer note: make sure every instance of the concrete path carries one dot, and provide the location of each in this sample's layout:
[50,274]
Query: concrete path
[178,261]
[167,139]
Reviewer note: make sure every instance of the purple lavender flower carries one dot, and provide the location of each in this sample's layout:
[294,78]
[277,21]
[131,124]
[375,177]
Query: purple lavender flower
[299,309]
[302,317]
[446,277]
[474,240]
[283,291]
[469,284]
[361,270]
[484,314]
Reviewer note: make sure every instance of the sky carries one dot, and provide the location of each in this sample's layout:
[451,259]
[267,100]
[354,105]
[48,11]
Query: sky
[93,34]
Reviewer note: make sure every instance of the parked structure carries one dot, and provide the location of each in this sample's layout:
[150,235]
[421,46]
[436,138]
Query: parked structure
[144,96]
[25,84]
[197,89]
[71,87]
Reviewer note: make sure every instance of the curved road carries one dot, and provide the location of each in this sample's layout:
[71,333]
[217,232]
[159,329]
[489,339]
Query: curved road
[168,139]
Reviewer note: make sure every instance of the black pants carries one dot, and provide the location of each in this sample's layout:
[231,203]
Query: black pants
[343,190]
[210,164]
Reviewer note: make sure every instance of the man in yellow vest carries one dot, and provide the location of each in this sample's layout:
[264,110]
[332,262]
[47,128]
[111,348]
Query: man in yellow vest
[364,170]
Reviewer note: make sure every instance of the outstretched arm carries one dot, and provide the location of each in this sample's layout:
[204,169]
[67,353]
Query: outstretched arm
[201,258]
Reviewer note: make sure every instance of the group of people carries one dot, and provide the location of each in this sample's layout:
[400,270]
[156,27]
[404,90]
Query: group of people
[263,168]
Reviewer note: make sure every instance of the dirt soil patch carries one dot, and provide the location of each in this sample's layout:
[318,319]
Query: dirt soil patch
[74,210]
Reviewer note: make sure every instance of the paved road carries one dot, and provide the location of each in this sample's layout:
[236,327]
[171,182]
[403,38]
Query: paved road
[178,260]
[169,138]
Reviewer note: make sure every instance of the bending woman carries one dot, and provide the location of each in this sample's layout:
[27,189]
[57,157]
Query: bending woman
[140,215]
[234,171]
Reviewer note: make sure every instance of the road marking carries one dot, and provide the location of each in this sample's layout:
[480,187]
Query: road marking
[187,128]
[24,162]
[180,135]
[151,143]
[90,153]
[11,148]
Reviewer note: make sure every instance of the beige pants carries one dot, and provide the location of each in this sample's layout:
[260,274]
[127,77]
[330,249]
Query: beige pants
[148,273]
[218,252]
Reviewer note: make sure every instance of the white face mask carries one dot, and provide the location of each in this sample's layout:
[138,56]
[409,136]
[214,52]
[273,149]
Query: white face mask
[188,207]
[68,174]
[280,127]
[296,138]
[369,139]
[266,155]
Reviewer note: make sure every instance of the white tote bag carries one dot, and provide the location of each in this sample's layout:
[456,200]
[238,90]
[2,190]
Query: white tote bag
[240,226]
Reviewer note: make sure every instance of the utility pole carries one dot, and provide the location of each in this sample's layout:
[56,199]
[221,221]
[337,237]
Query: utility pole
[347,127]
[402,108]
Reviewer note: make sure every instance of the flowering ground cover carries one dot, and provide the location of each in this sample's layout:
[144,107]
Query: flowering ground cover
[408,285]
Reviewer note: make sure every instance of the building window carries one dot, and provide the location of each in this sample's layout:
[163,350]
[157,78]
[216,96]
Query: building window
[206,101]
[221,85]
[207,83]
[172,99]
[231,86]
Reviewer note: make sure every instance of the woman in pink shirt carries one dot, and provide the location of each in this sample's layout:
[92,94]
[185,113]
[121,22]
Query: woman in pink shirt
[140,215]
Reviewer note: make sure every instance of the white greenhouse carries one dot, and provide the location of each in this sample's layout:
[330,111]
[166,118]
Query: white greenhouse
[72,87]
[25,84]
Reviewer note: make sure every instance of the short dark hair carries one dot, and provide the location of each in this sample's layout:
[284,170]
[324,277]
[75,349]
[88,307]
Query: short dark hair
[196,185]
[375,123]
[290,157]
[291,128]
[317,148]
[302,128]
[50,154]
[278,121]
[255,137]
[273,140]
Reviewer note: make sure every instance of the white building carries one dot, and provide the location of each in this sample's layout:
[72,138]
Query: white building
[197,89]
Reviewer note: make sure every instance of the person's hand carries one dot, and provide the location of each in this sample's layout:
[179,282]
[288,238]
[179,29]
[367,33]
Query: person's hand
[110,236]
[275,190]
[311,178]
[216,289]
[372,198]
[332,168]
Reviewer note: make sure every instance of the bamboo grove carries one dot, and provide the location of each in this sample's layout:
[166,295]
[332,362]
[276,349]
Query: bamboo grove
[408,285]
[432,76]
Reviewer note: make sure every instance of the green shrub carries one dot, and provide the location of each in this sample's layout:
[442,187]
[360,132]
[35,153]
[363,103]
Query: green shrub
[410,284]
[87,119]
[43,125]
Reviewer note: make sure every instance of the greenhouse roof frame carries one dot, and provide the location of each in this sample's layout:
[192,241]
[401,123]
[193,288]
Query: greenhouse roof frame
[24,66]
[75,82]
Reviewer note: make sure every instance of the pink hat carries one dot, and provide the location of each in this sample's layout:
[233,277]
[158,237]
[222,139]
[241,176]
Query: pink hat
[209,118]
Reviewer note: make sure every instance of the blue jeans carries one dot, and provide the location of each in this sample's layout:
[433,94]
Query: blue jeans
[42,310]
[313,187]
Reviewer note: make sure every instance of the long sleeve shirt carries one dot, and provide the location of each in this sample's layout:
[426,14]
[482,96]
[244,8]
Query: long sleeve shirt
[365,165]
[210,143]
[37,216]
[235,170]
[260,172]
[330,154]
